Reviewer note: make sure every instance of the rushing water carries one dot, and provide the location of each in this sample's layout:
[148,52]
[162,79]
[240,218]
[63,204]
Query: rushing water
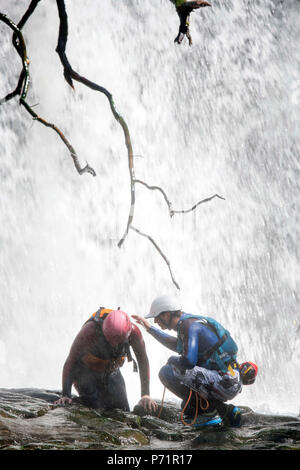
[219,117]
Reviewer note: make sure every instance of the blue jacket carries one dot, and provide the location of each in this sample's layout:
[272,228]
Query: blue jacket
[200,341]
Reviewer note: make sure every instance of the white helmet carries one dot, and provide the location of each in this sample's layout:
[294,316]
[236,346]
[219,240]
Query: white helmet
[163,303]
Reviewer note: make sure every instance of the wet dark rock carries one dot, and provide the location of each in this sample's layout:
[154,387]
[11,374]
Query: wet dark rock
[29,420]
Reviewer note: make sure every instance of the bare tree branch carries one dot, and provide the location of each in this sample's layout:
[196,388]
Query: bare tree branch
[23,86]
[157,188]
[28,13]
[73,154]
[159,250]
[17,91]
[71,75]
[18,48]
[169,204]
[197,204]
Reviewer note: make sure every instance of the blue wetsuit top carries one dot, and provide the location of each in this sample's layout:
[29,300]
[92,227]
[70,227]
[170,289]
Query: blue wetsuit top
[194,339]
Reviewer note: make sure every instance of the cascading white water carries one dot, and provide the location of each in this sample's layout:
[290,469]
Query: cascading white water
[219,117]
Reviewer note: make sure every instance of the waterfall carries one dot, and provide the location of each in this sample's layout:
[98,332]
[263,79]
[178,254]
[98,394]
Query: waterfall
[220,117]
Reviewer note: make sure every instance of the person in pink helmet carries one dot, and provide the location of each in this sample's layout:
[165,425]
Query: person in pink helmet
[96,355]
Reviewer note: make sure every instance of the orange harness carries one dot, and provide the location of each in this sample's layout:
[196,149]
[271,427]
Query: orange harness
[98,316]
[101,312]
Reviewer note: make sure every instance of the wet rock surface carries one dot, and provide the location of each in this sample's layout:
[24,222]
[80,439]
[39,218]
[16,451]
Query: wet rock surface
[29,420]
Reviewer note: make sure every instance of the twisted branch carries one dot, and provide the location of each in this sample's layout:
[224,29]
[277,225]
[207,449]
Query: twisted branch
[18,48]
[197,204]
[24,81]
[71,75]
[159,250]
[169,204]
[158,188]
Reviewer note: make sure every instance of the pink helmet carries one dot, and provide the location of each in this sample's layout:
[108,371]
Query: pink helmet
[117,327]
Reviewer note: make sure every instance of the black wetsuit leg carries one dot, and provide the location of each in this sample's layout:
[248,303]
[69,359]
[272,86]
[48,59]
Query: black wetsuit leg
[116,396]
[91,388]
[172,383]
[102,391]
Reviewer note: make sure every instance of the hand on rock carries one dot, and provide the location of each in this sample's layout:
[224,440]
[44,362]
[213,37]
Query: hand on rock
[63,401]
[148,404]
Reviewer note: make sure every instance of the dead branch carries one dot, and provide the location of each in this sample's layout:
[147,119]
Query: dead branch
[71,75]
[159,251]
[17,91]
[197,204]
[169,204]
[157,188]
[18,48]
[24,81]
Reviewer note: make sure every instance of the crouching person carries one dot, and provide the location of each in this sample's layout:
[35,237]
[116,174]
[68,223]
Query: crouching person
[96,356]
[206,363]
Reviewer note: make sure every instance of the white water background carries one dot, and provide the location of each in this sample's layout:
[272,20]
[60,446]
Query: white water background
[219,117]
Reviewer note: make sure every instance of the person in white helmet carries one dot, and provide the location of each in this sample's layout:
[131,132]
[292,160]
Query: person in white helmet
[206,362]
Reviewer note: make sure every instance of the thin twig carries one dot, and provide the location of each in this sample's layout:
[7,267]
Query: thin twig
[71,149]
[159,250]
[197,204]
[157,188]
[169,204]
[70,75]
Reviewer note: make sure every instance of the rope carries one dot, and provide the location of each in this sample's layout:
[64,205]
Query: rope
[162,403]
[183,410]
[204,404]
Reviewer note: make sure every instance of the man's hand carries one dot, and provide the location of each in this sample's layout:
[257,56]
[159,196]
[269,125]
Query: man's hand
[148,404]
[142,321]
[63,401]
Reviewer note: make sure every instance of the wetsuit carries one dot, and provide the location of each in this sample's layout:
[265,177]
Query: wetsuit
[93,367]
[193,368]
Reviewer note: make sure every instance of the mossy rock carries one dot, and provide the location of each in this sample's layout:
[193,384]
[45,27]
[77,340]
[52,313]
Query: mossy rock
[29,420]
[133,437]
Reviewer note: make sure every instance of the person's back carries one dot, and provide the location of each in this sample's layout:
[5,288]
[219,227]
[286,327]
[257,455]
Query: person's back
[203,341]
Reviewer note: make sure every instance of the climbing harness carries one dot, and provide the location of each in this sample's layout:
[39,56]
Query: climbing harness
[222,353]
[99,316]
